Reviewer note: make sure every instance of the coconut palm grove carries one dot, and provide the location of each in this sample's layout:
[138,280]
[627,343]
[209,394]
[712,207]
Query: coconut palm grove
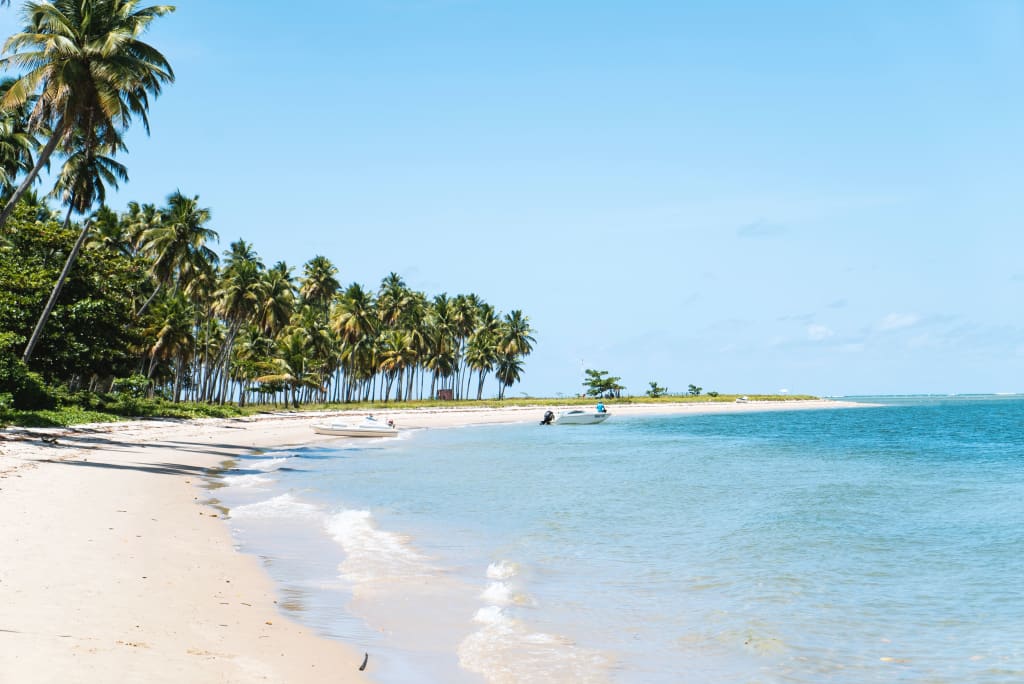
[106,309]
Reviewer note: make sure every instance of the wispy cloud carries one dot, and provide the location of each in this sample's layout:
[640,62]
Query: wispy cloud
[898,321]
[817,332]
[761,229]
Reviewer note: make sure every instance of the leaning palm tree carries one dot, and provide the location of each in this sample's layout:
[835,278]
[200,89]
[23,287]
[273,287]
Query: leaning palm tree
[82,183]
[87,69]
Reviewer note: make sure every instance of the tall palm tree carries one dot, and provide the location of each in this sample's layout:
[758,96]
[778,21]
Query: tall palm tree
[278,303]
[237,302]
[319,284]
[463,313]
[82,183]
[109,232]
[291,366]
[87,69]
[516,336]
[176,243]
[392,299]
[482,347]
[138,219]
[173,337]
[354,320]
[508,372]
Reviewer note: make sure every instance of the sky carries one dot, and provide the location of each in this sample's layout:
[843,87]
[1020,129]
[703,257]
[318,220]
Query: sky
[823,198]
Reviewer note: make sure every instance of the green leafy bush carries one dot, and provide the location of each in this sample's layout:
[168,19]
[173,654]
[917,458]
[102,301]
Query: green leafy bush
[27,389]
[134,386]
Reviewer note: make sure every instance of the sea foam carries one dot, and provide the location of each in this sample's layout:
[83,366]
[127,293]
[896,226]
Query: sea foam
[283,506]
[374,555]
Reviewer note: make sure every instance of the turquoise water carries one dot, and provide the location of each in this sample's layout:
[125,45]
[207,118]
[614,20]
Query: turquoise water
[862,545]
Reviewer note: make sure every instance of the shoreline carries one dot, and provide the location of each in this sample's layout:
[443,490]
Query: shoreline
[117,561]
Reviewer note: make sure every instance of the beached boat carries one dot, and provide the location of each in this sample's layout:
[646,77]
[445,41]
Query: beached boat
[581,417]
[370,427]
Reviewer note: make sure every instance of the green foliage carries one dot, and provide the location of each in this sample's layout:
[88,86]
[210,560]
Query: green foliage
[694,391]
[656,390]
[134,386]
[6,406]
[712,394]
[87,333]
[598,384]
[25,388]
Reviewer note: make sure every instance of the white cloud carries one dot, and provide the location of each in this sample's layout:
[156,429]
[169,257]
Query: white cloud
[818,332]
[897,321]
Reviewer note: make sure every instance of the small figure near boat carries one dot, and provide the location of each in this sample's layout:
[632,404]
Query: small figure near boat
[600,408]
[548,417]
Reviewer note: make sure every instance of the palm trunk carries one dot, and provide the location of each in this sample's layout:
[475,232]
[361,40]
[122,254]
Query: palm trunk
[151,297]
[37,333]
[178,372]
[480,385]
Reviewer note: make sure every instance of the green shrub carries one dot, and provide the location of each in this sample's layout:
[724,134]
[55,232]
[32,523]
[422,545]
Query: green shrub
[134,386]
[27,389]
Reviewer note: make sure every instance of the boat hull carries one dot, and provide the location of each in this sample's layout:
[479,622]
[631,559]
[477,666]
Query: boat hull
[581,418]
[353,430]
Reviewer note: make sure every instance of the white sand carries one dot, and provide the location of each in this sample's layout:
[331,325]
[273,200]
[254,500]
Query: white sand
[113,569]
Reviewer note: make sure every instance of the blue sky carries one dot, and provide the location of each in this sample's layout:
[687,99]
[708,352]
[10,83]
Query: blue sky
[749,196]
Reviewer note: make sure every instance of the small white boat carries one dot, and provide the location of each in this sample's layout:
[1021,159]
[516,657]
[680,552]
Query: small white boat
[581,417]
[370,427]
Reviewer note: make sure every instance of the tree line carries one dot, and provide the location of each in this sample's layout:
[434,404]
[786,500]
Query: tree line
[144,294]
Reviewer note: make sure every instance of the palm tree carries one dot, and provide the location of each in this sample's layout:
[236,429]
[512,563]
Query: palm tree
[138,219]
[392,299]
[319,284]
[291,365]
[88,71]
[463,313]
[516,338]
[173,338]
[237,302]
[17,142]
[354,320]
[509,372]
[176,242]
[482,347]
[109,232]
[82,182]
[278,303]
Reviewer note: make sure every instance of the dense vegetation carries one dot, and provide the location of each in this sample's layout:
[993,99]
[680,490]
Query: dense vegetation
[117,308]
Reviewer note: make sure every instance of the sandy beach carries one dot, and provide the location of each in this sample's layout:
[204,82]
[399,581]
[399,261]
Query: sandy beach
[117,565]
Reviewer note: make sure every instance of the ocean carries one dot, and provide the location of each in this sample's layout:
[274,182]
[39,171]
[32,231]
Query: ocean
[874,544]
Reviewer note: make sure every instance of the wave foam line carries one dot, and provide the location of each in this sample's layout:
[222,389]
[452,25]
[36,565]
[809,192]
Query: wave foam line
[504,651]
[375,555]
[283,506]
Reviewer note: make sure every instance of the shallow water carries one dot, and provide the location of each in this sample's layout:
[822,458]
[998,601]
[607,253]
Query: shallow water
[862,545]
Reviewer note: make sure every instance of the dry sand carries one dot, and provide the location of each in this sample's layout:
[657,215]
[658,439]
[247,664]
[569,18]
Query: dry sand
[115,566]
